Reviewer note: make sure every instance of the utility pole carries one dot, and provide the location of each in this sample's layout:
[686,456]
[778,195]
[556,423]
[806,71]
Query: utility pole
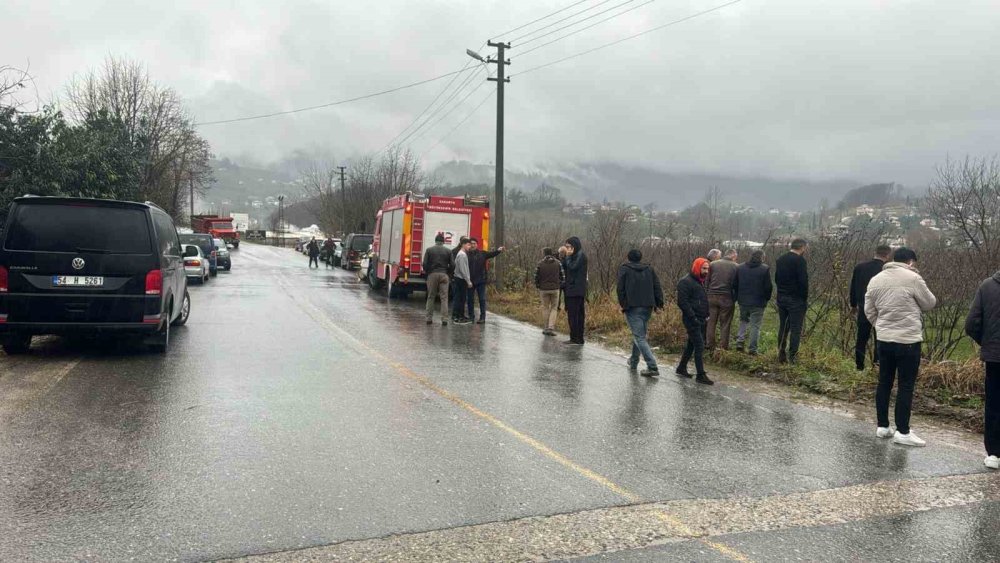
[498,193]
[343,200]
[191,187]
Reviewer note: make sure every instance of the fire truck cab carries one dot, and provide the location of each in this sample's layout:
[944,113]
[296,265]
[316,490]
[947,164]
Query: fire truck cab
[407,225]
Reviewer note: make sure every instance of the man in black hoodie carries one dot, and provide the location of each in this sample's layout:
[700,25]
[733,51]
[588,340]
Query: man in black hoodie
[983,325]
[863,273]
[575,266]
[639,292]
[753,291]
[477,267]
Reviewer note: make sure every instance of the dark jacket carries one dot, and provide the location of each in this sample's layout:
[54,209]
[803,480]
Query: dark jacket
[437,259]
[575,267]
[983,322]
[549,274]
[639,286]
[313,248]
[863,273]
[753,284]
[692,300]
[721,277]
[791,276]
[477,264]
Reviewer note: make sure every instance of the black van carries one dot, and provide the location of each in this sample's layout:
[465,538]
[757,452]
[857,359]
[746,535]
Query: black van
[73,265]
[355,245]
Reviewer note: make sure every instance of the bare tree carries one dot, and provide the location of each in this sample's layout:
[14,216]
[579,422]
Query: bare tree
[13,83]
[965,201]
[175,159]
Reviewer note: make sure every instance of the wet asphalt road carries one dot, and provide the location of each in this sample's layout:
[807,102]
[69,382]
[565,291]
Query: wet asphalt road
[299,409]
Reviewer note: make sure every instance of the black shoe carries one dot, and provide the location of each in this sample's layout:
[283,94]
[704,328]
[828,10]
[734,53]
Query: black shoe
[860,367]
[631,366]
[752,352]
[782,357]
[481,321]
[650,373]
[463,321]
[703,379]
[573,343]
[682,373]
[444,323]
[739,348]
[430,321]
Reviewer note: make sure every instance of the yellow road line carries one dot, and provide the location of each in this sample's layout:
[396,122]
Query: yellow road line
[676,525]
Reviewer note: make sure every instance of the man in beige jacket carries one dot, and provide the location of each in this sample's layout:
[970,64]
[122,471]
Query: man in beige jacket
[894,304]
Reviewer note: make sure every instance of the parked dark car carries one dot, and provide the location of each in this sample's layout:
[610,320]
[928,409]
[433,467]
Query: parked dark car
[89,266]
[222,255]
[207,245]
[355,245]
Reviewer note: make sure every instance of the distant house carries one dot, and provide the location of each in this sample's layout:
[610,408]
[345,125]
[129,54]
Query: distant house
[864,210]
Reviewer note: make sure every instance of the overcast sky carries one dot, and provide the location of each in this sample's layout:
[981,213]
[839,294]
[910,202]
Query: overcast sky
[872,90]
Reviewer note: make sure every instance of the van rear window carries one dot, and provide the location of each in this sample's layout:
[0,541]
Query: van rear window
[79,228]
[361,243]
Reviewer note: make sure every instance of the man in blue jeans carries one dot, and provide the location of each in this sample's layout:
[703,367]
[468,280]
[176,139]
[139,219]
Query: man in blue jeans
[477,268]
[639,292]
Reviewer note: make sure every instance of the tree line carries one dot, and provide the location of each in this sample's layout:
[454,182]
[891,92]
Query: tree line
[115,133]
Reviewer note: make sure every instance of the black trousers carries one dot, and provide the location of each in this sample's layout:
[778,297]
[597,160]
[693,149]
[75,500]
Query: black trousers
[865,333]
[902,360]
[313,259]
[576,315]
[695,346]
[991,430]
[458,299]
[791,315]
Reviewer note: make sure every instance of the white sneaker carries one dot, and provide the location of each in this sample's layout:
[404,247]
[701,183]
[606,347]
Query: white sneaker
[910,439]
[993,462]
[883,432]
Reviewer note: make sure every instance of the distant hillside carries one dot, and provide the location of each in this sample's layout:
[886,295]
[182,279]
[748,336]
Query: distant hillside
[237,183]
[596,182]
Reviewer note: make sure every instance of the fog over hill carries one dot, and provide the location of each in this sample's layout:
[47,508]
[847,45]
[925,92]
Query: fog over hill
[642,185]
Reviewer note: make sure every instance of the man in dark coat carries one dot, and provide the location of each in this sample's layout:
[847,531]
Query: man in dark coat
[477,267]
[693,303]
[792,279]
[549,279]
[863,273]
[983,325]
[313,250]
[753,291]
[639,292]
[575,266]
[436,264]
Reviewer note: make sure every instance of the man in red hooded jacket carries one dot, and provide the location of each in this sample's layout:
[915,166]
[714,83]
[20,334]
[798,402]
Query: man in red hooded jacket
[693,303]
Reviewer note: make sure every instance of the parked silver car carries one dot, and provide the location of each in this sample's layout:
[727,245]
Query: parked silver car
[196,266]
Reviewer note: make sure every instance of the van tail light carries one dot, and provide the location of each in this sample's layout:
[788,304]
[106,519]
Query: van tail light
[3,279]
[154,282]
[192,262]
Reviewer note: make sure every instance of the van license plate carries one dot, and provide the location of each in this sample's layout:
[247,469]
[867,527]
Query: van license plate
[77,281]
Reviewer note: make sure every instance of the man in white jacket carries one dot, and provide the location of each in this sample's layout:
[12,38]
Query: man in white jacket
[894,304]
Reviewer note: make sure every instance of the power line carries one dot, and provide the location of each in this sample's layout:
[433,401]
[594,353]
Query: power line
[460,123]
[434,101]
[330,104]
[539,19]
[569,25]
[582,29]
[449,112]
[657,28]
[447,101]
[557,22]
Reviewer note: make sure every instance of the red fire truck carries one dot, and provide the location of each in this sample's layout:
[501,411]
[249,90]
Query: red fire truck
[407,225]
[218,227]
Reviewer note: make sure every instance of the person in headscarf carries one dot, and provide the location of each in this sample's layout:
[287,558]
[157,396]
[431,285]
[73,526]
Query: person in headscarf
[693,303]
[575,266]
